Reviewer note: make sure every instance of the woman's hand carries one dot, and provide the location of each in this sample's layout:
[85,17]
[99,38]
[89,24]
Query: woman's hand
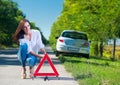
[43,50]
[39,56]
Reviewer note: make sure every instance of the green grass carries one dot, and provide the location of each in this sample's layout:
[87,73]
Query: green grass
[7,47]
[93,71]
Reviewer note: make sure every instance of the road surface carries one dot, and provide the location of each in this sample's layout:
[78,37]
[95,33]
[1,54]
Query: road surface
[10,71]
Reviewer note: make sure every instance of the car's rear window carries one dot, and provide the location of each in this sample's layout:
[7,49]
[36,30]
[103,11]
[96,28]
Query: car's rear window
[75,35]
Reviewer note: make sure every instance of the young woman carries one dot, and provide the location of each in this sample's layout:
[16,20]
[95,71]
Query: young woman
[30,43]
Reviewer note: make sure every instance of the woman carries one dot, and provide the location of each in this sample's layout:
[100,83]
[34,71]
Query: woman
[30,43]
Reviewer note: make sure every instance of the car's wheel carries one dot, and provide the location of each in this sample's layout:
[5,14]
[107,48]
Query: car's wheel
[57,53]
[78,55]
[86,56]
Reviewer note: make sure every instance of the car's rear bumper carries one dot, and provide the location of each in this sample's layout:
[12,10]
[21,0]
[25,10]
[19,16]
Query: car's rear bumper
[70,49]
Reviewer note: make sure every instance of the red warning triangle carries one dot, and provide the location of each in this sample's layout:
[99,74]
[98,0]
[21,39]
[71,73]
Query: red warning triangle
[37,73]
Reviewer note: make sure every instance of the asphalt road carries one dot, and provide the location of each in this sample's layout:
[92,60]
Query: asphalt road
[10,71]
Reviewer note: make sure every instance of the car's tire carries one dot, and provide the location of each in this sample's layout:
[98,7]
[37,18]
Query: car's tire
[57,53]
[78,55]
[86,56]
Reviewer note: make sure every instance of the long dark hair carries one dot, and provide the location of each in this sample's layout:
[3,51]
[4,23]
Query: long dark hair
[19,33]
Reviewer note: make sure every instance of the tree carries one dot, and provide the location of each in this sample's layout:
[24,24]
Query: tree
[95,17]
[9,16]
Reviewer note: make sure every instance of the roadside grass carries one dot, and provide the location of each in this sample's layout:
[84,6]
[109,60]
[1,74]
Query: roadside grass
[93,71]
[7,47]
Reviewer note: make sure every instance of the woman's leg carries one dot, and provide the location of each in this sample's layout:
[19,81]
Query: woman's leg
[31,61]
[22,58]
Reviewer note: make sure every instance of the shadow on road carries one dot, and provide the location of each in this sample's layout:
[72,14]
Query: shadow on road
[9,51]
[9,60]
[14,51]
[56,78]
[7,57]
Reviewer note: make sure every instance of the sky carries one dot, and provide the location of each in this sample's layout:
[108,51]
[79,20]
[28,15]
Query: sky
[42,12]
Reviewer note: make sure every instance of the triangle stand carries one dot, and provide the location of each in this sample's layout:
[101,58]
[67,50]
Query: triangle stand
[37,73]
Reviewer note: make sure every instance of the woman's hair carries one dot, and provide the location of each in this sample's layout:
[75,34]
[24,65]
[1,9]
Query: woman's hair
[19,33]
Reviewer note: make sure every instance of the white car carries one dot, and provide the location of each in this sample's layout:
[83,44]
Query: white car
[73,42]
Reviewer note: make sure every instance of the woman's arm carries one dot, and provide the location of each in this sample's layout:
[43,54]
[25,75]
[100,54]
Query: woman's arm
[39,42]
[43,50]
[34,54]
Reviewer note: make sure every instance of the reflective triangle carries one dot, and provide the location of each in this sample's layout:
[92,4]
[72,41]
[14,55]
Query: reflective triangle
[46,57]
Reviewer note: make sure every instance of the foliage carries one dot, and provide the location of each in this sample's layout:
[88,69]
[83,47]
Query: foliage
[98,18]
[9,17]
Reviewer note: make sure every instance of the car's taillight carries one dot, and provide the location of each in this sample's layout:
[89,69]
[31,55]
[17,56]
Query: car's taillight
[61,40]
[86,44]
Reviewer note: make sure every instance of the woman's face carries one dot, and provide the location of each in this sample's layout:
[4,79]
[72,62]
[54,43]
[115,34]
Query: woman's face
[26,28]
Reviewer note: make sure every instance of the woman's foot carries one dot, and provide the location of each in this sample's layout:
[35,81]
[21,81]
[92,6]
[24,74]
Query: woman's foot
[23,73]
[23,76]
[31,73]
